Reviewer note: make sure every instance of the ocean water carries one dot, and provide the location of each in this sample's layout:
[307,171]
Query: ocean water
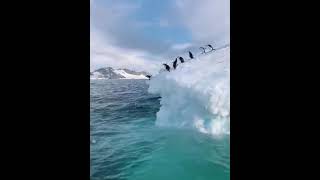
[127,143]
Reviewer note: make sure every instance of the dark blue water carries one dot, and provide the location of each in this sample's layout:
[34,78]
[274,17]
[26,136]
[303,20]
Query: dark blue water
[126,144]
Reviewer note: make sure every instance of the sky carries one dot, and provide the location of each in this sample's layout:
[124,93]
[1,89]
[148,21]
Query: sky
[142,34]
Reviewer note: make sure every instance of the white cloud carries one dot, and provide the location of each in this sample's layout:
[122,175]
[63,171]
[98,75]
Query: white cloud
[181,46]
[104,50]
[104,54]
[116,37]
[208,20]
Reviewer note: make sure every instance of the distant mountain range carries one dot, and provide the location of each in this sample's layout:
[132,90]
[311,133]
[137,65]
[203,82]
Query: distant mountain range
[110,73]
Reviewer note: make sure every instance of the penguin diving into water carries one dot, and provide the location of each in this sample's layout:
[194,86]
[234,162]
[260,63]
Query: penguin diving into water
[167,67]
[148,76]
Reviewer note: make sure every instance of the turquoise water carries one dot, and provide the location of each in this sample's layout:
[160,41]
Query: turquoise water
[126,144]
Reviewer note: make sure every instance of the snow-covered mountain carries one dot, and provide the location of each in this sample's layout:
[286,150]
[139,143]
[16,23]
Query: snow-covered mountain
[110,73]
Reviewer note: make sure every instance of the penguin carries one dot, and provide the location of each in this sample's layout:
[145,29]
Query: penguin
[203,50]
[148,76]
[175,63]
[210,47]
[181,59]
[190,55]
[167,67]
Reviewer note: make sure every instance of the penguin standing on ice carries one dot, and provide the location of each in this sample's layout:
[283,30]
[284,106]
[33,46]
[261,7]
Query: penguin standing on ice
[175,63]
[167,67]
[203,50]
[190,55]
[211,47]
[181,59]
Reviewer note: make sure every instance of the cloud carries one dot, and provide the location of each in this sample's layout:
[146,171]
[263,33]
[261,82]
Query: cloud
[208,20]
[118,19]
[181,46]
[106,38]
[124,36]
[104,54]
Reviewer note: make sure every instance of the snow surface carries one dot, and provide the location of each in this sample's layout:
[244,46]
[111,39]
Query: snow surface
[129,76]
[196,94]
[98,75]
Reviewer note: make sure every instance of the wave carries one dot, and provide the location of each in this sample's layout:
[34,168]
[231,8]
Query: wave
[196,94]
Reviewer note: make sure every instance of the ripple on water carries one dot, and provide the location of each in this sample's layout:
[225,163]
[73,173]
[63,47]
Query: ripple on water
[125,143]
